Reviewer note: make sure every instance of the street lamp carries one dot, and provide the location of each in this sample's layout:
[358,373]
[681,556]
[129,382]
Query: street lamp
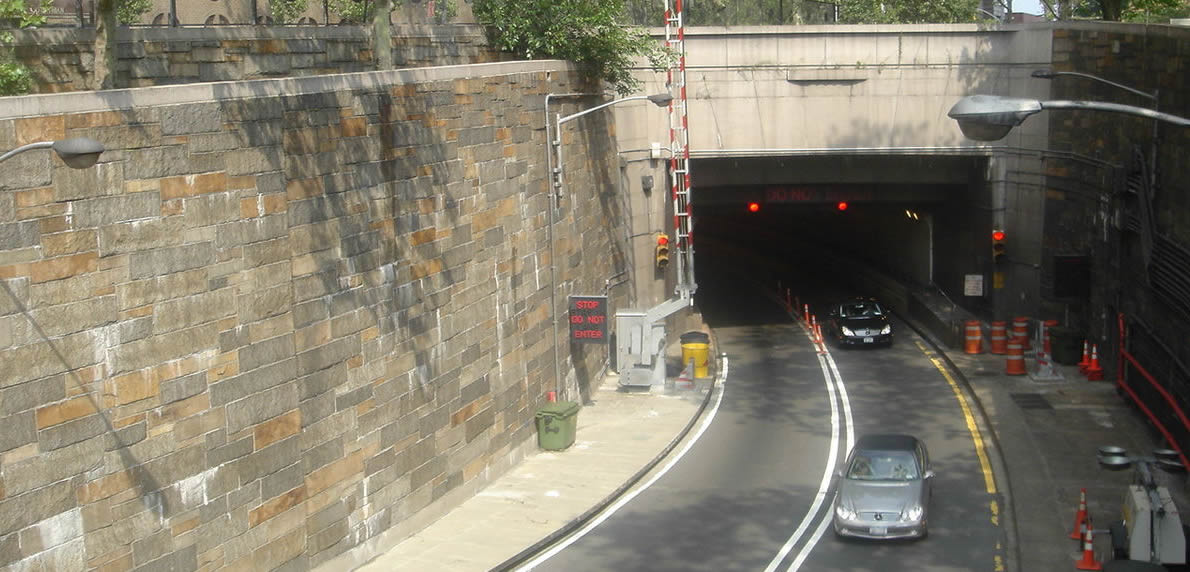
[77,153]
[991,117]
[554,173]
[1051,74]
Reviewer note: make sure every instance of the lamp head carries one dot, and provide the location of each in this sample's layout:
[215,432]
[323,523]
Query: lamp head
[78,152]
[991,117]
[661,99]
[1044,74]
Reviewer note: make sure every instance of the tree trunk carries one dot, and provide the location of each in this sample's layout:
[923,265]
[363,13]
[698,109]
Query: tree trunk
[105,45]
[1112,10]
[382,36]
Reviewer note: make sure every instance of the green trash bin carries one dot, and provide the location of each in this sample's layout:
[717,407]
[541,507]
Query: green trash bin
[557,424]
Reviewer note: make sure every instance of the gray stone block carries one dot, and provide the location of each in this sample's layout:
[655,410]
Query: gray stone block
[15,235]
[322,455]
[183,387]
[19,511]
[281,481]
[191,118]
[263,462]
[19,430]
[71,432]
[261,407]
[103,211]
[266,352]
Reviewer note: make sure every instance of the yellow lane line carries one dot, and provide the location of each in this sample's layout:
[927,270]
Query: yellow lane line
[980,451]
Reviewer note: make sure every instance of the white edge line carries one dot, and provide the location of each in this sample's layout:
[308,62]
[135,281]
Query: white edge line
[611,509]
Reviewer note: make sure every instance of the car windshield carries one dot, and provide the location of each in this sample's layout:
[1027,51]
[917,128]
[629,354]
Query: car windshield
[861,309]
[883,466]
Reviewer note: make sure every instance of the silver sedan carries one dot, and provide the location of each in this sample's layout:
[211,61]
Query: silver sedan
[884,489]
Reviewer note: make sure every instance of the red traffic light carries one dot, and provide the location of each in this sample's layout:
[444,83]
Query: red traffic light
[753,207]
[997,235]
[662,240]
[842,206]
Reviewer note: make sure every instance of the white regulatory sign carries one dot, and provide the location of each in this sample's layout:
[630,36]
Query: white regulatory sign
[973,285]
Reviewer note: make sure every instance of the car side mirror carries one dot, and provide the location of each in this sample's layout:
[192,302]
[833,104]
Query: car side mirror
[929,474]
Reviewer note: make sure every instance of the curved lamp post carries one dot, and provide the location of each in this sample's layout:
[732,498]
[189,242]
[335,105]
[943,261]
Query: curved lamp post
[77,153]
[991,117]
[554,174]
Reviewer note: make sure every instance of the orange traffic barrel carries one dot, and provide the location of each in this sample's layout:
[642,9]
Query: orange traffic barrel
[1000,337]
[1020,331]
[1015,363]
[1047,325]
[974,338]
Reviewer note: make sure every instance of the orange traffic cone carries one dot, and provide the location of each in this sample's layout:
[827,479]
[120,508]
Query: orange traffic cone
[1080,517]
[1000,338]
[974,343]
[1094,372]
[1015,363]
[1084,363]
[1088,562]
[806,313]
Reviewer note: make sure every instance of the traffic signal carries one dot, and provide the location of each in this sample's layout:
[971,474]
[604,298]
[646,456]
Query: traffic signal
[842,206]
[753,207]
[998,249]
[662,250]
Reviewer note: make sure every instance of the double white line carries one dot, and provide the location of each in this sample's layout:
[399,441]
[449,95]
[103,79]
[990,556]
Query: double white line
[819,523]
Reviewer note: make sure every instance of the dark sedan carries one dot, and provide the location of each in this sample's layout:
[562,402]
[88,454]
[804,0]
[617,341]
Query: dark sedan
[859,322]
[884,491]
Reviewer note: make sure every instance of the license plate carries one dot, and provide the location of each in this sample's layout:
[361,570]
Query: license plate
[868,340]
[878,530]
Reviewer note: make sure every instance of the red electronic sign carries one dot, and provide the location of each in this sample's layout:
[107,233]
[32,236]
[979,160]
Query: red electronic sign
[588,319]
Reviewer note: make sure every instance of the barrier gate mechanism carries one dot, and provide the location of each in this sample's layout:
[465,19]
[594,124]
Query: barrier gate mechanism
[640,346]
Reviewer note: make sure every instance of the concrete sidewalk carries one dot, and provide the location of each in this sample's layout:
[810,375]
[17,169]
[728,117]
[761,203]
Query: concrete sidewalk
[619,437]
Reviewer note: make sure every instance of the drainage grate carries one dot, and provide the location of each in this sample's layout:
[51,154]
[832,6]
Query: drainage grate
[1031,401]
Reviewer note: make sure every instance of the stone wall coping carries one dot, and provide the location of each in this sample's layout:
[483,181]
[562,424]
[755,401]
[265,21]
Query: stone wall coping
[902,29]
[120,99]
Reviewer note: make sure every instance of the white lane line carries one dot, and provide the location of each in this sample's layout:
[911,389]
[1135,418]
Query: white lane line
[850,427]
[834,382]
[720,389]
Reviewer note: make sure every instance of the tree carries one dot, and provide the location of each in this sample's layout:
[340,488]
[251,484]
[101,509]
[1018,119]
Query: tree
[907,11]
[15,78]
[586,32]
[1155,11]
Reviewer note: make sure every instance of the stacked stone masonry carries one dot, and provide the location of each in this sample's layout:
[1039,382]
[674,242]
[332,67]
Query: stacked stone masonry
[273,324]
[63,59]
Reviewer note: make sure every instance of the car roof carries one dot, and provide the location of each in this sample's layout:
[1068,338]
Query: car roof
[887,442]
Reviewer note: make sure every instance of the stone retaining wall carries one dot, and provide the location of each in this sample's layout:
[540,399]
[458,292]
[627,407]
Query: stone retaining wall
[281,318]
[62,59]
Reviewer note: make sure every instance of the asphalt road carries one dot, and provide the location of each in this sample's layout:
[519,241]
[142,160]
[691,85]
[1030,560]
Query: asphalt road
[753,493]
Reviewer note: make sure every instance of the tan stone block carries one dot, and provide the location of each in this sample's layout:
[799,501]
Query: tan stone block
[179,410]
[249,208]
[142,186]
[312,336]
[276,505]
[467,411]
[14,271]
[117,561]
[354,126]
[224,370]
[34,129]
[355,361]
[57,413]
[126,420]
[105,487]
[171,208]
[125,389]
[474,468]
[198,425]
[423,236]
[369,334]
[427,268]
[297,189]
[69,242]
[51,224]
[180,526]
[241,182]
[136,312]
[97,119]
[276,429]
[63,267]
[42,211]
[33,197]
[275,203]
[325,477]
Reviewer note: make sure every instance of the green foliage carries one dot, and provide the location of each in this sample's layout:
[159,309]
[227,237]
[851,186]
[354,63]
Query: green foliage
[586,32]
[287,11]
[129,11]
[358,11]
[907,11]
[15,78]
[733,12]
